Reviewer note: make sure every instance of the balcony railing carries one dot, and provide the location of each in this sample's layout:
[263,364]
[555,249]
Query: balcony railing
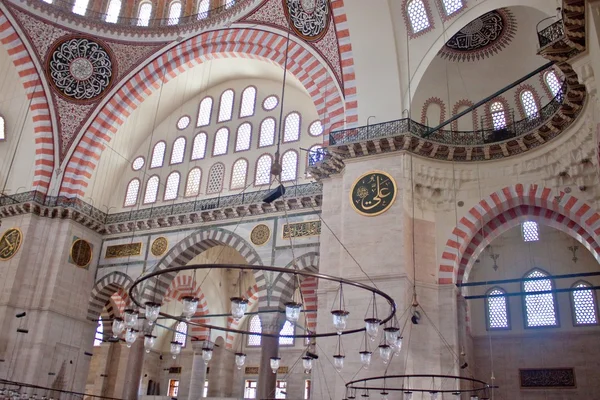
[551,33]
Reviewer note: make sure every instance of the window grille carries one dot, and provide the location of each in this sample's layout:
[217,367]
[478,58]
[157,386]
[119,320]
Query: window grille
[244,137]
[132,193]
[138,163]
[151,190]
[255,327]
[267,133]
[181,333]
[497,310]
[315,129]
[288,329]
[540,309]
[174,13]
[263,170]
[80,6]
[417,15]
[98,337]
[192,187]
[226,106]
[178,151]
[203,7]
[584,305]
[552,82]
[270,103]
[452,6]
[248,102]
[530,231]
[113,10]
[238,174]
[144,14]
[289,166]
[172,187]
[529,104]
[215,178]
[183,122]
[199,147]
[158,155]
[292,127]
[498,115]
[204,112]
[221,142]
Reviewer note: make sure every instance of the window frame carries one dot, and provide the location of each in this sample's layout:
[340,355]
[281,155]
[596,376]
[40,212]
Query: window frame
[222,178]
[137,197]
[162,164]
[176,331]
[487,310]
[265,99]
[523,231]
[572,301]
[173,149]
[226,145]
[237,133]
[146,189]
[168,12]
[108,3]
[139,9]
[245,177]
[85,9]
[256,170]
[311,125]
[521,104]
[504,111]
[284,126]
[242,102]
[187,179]
[547,85]
[296,168]
[258,146]
[410,29]
[198,12]
[143,164]
[167,183]
[212,105]
[194,143]
[444,13]
[180,118]
[253,333]
[219,120]
[554,301]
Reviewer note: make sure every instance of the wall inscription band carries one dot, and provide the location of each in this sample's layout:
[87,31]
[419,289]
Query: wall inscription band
[123,250]
[254,370]
[302,229]
[547,378]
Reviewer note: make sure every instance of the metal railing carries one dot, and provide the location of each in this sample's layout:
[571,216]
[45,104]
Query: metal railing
[551,33]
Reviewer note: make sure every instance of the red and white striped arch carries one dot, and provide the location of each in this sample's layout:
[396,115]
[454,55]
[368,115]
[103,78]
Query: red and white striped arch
[347,59]
[231,43]
[184,285]
[39,108]
[506,209]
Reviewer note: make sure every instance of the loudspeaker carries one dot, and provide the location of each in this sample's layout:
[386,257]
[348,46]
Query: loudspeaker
[275,194]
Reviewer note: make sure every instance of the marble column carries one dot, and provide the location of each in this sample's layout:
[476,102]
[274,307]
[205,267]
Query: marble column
[272,324]
[198,373]
[133,373]
[221,371]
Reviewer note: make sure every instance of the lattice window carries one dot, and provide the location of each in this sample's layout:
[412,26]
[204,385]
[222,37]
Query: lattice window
[540,309]
[178,151]
[215,178]
[199,147]
[131,195]
[289,166]
[238,174]
[244,137]
[497,309]
[530,231]
[183,122]
[552,82]
[248,102]
[417,15]
[267,133]
[80,6]
[99,336]
[255,327]
[181,333]
[138,163]
[174,12]
[529,104]
[292,127]
[204,111]
[229,4]
[203,7]
[288,329]
[172,187]
[151,190]
[452,6]
[144,13]
[226,106]
[262,175]
[270,103]
[585,311]
[315,129]
[113,10]
[192,187]
[158,155]
[498,115]
[221,142]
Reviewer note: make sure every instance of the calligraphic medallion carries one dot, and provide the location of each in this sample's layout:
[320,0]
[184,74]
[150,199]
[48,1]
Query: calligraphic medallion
[159,246]
[309,19]
[81,253]
[10,243]
[260,234]
[373,193]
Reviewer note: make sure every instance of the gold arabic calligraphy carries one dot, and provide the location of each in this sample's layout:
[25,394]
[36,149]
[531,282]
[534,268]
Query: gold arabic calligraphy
[373,193]
[10,243]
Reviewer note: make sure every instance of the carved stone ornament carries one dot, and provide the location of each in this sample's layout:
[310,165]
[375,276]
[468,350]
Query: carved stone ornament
[159,246]
[80,69]
[308,18]
[260,235]
[81,253]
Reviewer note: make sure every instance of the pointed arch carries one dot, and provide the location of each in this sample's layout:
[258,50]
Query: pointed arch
[425,112]
[104,289]
[184,285]
[519,99]
[464,103]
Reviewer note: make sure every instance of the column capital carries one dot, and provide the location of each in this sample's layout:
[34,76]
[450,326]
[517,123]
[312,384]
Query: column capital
[271,321]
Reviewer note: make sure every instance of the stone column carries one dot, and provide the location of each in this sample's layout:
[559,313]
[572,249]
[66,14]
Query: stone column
[133,373]
[221,371]
[272,324]
[198,373]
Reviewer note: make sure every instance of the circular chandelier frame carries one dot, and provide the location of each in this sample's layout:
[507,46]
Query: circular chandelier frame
[134,293]
[364,384]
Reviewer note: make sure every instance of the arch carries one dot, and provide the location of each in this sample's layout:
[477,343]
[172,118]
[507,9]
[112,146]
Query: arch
[423,9]
[184,285]
[456,108]
[505,110]
[39,108]
[519,101]
[427,104]
[507,208]
[104,289]
[318,80]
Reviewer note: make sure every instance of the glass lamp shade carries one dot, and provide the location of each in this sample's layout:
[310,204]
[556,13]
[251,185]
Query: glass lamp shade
[372,327]
[130,337]
[207,354]
[275,364]
[391,334]
[365,394]
[340,319]
[175,349]
[384,395]
[352,395]
[238,307]
[131,318]
[118,326]
[149,342]
[292,311]
[190,305]
[385,352]
[307,363]
[397,345]
[240,360]
[338,362]
[152,310]
[434,395]
[408,395]
[365,359]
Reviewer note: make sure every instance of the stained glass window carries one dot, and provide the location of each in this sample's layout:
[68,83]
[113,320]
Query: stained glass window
[221,141]
[497,309]
[529,104]
[498,115]
[215,178]
[267,132]
[204,111]
[151,190]
[262,175]
[585,311]
[174,13]
[530,231]
[178,151]
[144,14]
[199,147]
[289,166]
[113,10]
[226,106]
[99,333]
[172,187]
[244,136]
[131,196]
[417,14]
[270,103]
[552,82]
[540,309]
[452,6]
[192,187]
[292,127]
[238,174]
[248,102]
[203,7]
[80,6]
[158,155]
[181,333]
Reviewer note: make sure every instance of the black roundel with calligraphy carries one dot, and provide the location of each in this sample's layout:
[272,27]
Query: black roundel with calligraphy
[373,193]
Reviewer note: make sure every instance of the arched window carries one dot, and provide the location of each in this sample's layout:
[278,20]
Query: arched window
[417,15]
[529,104]
[151,190]
[552,82]
[181,333]
[113,10]
[267,132]
[80,6]
[585,310]
[226,106]
[172,187]
[452,6]
[498,115]
[248,102]
[199,147]
[530,231]
[98,337]
[204,111]
[2,129]
[174,12]
[144,13]
[178,151]
[288,329]
[131,195]
[244,137]
[203,7]
[158,155]
[497,309]
[540,309]
[238,174]
[221,142]
[262,175]
[289,166]
[192,187]
[215,178]
[255,326]
[292,127]
[48,1]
